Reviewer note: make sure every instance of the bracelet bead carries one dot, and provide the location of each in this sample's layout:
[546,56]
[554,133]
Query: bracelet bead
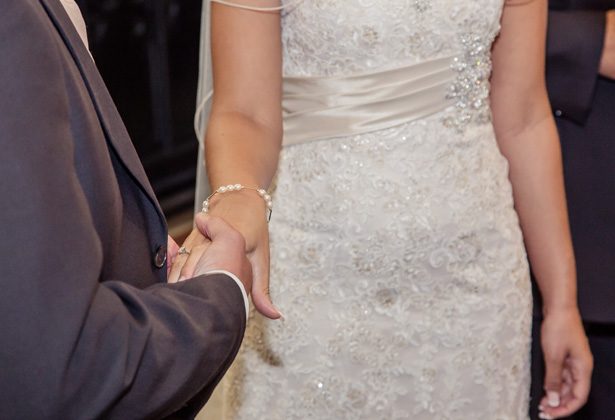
[239,187]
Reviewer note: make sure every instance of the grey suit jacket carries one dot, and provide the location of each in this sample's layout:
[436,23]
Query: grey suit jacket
[584,106]
[88,327]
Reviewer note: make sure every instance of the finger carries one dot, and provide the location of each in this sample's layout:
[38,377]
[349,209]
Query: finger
[213,227]
[262,302]
[187,270]
[554,364]
[566,394]
[178,262]
[580,387]
[194,239]
[172,249]
[260,288]
[227,251]
[566,410]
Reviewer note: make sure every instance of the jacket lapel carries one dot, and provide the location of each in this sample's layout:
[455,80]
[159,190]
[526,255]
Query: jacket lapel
[110,120]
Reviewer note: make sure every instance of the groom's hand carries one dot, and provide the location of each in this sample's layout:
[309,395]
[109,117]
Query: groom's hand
[213,245]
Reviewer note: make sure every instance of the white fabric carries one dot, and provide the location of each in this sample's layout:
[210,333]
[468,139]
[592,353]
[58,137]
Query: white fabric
[240,284]
[317,108]
[397,257]
[203,107]
[75,16]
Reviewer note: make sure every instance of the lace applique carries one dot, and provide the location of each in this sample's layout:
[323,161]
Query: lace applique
[343,37]
[398,262]
[421,5]
[397,256]
[333,37]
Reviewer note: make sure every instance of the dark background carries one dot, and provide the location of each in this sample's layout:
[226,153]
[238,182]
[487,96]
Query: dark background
[147,52]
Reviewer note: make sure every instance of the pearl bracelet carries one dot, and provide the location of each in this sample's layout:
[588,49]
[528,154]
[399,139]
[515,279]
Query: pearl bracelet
[239,187]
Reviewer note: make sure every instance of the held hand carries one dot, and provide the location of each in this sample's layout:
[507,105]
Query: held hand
[569,364]
[172,249]
[245,211]
[607,62]
[217,246]
[176,265]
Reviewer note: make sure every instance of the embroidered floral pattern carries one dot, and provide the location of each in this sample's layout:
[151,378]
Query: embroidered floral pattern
[397,257]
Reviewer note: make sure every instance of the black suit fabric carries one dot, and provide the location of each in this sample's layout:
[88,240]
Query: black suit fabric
[584,107]
[89,329]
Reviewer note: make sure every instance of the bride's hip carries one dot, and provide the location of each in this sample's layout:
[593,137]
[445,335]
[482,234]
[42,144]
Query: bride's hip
[423,169]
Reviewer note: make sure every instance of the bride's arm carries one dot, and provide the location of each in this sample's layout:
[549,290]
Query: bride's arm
[244,132]
[527,137]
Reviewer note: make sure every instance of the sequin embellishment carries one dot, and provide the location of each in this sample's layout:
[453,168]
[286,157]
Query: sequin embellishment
[471,86]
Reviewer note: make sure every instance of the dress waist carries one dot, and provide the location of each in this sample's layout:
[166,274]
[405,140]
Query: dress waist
[315,108]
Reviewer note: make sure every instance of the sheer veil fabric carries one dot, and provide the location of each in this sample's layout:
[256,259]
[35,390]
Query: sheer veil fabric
[203,106]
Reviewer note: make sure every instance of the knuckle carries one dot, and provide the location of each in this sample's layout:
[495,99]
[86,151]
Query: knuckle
[218,221]
[211,218]
[198,249]
[237,239]
[200,216]
[186,272]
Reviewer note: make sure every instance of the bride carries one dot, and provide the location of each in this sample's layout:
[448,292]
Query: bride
[392,137]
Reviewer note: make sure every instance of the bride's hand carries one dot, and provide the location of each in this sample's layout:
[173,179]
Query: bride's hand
[246,212]
[177,268]
[568,361]
[172,249]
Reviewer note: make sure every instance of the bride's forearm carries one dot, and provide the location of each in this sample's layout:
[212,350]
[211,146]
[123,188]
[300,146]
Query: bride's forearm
[536,175]
[239,149]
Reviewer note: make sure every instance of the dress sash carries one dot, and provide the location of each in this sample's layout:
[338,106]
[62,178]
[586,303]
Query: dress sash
[332,106]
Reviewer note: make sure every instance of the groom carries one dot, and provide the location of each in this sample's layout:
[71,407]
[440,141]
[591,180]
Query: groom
[89,328]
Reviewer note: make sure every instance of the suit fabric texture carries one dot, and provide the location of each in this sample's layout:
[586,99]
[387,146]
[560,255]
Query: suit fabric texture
[583,104]
[90,329]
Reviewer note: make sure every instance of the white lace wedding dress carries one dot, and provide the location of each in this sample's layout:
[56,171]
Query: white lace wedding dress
[397,256]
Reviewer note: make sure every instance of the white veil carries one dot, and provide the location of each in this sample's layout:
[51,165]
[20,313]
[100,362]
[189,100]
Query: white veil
[205,92]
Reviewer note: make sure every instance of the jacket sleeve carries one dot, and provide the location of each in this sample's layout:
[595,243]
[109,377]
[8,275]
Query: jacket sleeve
[71,346]
[574,48]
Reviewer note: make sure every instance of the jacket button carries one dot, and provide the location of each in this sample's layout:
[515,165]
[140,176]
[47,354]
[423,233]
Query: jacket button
[160,257]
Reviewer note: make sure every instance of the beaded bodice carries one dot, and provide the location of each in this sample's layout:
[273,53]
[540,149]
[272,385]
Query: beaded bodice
[350,37]
[335,37]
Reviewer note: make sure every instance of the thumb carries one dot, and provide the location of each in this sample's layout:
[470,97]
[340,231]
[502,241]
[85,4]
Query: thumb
[262,302]
[260,292]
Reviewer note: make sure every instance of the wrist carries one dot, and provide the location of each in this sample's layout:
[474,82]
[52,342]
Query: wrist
[236,194]
[559,309]
[241,202]
[245,211]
